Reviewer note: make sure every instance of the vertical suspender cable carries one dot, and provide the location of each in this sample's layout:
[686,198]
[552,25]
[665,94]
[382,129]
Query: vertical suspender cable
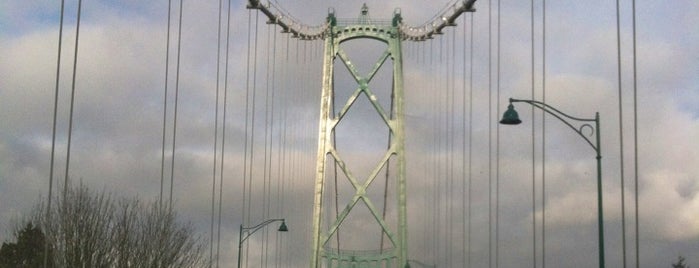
[424,48]
[437,156]
[635,130]
[280,159]
[294,127]
[433,161]
[167,68]
[490,133]
[288,131]
[442,150]
[267,141]
[424,171]
[223,133]
[534,255]
[450,140]
[543,135]
[53,133]
[253,111]
[453,136]
[269,128]
[245,212]
[437,159]
[435,166]
[497,153]
[426,201]
[470,140]
[271,131]
[443,145]
[282,151]
[72,101]
[429,200]
[284,137]
[621,135]
[247,109]
[449,90]
[265,171]
[305,132]
[463,149]
[213,177]
[277,157]
[304,164]
[447,150]
[177,93]
[252,128]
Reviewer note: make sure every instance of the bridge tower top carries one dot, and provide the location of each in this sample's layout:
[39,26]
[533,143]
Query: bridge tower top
[423,32]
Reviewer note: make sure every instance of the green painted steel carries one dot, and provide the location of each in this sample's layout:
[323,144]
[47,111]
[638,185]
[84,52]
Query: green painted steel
[335,31]
[341,31]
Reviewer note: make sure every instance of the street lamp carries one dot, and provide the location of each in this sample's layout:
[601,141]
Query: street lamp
[512,118]
[251,230]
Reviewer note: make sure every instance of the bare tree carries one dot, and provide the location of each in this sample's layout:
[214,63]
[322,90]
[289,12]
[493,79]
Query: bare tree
[95,229]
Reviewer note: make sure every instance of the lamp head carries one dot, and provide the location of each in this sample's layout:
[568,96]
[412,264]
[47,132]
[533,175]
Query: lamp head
[282,227]
[510,117]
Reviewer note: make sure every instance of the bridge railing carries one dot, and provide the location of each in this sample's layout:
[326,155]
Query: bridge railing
[360,258]
[348,22]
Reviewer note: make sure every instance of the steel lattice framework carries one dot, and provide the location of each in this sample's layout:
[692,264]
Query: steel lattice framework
[335,32]
[396,255]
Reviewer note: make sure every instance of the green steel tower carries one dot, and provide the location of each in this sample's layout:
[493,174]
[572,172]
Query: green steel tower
[396,254]
[393,250]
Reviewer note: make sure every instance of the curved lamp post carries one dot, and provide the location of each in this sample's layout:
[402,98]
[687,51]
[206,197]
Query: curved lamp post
[248,231]
[512,118]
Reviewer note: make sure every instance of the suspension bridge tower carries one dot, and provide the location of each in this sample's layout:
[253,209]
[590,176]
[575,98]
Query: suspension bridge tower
[392,250]
[375,196]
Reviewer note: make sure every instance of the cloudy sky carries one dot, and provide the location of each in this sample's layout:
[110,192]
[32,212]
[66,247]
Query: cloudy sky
[118,120]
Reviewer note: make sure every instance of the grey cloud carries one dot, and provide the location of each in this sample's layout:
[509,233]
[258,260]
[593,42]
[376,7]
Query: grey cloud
[119,113]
